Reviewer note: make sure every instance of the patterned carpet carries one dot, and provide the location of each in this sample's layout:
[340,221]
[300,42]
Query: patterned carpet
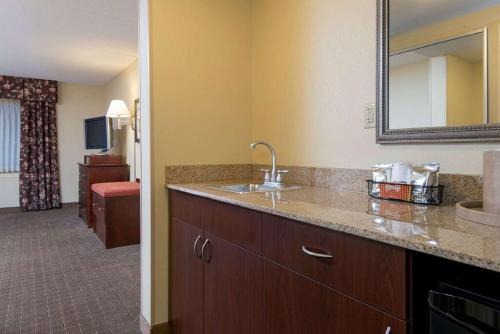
[56,277]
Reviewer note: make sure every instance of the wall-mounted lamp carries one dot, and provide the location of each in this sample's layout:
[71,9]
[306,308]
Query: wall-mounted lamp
[118,109]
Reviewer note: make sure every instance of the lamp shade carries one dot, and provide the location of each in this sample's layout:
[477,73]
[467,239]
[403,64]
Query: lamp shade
[117,109]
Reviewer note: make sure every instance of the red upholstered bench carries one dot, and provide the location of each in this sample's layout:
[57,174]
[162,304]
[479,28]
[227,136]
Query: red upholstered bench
[117,213]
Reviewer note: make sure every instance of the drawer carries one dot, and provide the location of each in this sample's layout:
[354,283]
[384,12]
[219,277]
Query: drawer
[82,212]
[240,226]
[97,174]
[237,225]
[367,270]
[190,209]
[83,186]
[83,197]
[83,172]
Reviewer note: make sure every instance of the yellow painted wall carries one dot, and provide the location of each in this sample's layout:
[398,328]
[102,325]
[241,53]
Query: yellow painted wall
[200,101]
[293,72]
[489,18]
[125,86]
[464,98]
[477,88]
[314,68]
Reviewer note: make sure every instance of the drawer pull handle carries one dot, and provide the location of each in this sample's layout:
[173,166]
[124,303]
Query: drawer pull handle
[323,255]
[388,330]
[195,247]
[207,260]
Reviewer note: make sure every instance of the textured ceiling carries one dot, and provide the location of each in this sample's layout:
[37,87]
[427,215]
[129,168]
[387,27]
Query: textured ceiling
[469,49]
[406,15]
[78,41]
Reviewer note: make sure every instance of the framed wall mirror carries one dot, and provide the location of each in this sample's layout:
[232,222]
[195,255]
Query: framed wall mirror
[438,71]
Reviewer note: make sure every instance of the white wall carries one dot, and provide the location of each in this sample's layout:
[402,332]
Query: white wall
[9,190]
[125,86]
[76,103]
[437,89]
[146,170]
[409,100]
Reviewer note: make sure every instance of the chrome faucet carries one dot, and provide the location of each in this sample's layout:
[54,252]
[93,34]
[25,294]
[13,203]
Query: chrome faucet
[273,177]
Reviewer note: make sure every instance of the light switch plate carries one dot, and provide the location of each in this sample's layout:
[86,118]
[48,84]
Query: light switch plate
[369,115]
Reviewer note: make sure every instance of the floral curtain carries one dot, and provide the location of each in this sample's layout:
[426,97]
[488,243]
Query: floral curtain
[39,187]
[11,88]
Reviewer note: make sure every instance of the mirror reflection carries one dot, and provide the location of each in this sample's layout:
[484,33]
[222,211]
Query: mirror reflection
[443,67]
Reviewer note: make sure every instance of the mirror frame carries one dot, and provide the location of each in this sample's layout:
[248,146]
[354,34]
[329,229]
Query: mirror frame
[385,135]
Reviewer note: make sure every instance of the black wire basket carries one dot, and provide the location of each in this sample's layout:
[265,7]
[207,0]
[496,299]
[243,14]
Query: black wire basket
[406,192]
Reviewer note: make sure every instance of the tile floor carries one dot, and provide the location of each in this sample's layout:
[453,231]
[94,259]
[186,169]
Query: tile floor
[56,277]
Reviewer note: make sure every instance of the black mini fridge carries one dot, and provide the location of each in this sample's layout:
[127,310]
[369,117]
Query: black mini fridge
[456,310]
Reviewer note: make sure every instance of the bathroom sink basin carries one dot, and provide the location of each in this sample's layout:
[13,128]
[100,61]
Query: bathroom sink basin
[252,188]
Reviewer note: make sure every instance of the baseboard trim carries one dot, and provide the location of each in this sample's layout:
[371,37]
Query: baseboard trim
[17,209]
[14,209]
[146,328]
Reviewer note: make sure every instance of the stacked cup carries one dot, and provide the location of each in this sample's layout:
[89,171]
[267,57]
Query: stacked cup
[491,190]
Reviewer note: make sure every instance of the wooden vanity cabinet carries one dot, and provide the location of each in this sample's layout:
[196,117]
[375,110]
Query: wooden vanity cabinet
[186,279]
[235,270]
[364,269]
[215,267]
[295,304]
[232,289]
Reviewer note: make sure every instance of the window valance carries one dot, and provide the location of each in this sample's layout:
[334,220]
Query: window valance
[28,89]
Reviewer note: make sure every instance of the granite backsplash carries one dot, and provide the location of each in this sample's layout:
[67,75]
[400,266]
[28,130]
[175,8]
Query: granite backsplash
[457,187]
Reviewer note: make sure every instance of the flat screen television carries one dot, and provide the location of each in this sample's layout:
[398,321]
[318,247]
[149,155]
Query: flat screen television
[97,133]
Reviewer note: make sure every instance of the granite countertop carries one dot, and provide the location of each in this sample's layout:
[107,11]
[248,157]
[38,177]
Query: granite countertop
[434,230]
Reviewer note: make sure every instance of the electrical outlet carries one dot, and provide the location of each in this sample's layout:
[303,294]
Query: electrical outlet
[369,115]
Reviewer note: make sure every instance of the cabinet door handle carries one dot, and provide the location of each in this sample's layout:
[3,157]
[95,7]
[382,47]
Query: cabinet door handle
[203,251]
[195,246]
[322,255]
[388,330]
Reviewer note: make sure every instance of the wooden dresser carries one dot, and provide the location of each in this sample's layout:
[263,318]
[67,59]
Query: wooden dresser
[97,170]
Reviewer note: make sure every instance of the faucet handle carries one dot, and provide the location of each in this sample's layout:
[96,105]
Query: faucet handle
[280,172]
[267,175]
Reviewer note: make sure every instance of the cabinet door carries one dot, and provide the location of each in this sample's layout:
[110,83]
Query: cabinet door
[186,278]
[232,289]
[296,304]
[364,269]
[99,209]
